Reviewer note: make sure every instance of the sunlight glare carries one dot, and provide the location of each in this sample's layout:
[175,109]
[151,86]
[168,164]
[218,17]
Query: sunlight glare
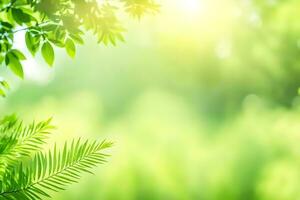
[191,7]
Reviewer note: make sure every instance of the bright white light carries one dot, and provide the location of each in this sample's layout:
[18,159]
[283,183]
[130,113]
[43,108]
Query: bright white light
[191,7]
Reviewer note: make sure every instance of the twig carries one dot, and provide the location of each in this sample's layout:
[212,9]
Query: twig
[29,27]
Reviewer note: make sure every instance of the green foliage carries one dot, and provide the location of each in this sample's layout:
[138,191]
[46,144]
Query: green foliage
[25,171]
[24,176]
[18,141]
[61,23]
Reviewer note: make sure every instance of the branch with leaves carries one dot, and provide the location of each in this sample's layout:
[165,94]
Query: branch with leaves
[61,23]
[26,172]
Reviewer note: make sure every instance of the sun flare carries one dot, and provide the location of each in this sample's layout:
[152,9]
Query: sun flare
[191,7]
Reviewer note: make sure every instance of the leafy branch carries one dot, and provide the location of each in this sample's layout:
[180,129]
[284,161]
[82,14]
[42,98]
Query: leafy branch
[61,23]
[33,178]
[48,24]
[18,141]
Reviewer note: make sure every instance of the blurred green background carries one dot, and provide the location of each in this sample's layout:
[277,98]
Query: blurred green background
[201,101]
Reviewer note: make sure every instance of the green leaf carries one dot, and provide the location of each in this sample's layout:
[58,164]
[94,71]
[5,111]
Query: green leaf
[77,38]
[19,16]
[1,58]
[57,43]
[4,84]
[18,54]
[14,64]
[70,47]
[32,42]
[2,93]
[112,39]
[48,53]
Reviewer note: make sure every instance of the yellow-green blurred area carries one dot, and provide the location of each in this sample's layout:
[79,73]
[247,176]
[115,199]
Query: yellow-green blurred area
[201,103]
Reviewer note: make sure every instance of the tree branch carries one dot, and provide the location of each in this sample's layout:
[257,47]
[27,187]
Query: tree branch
[29,27]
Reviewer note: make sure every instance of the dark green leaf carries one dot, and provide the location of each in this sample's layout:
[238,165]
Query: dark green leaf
[19,16]
[4,84]
[14,64]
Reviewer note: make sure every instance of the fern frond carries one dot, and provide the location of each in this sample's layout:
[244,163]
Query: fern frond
[52,171]
[18,141]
